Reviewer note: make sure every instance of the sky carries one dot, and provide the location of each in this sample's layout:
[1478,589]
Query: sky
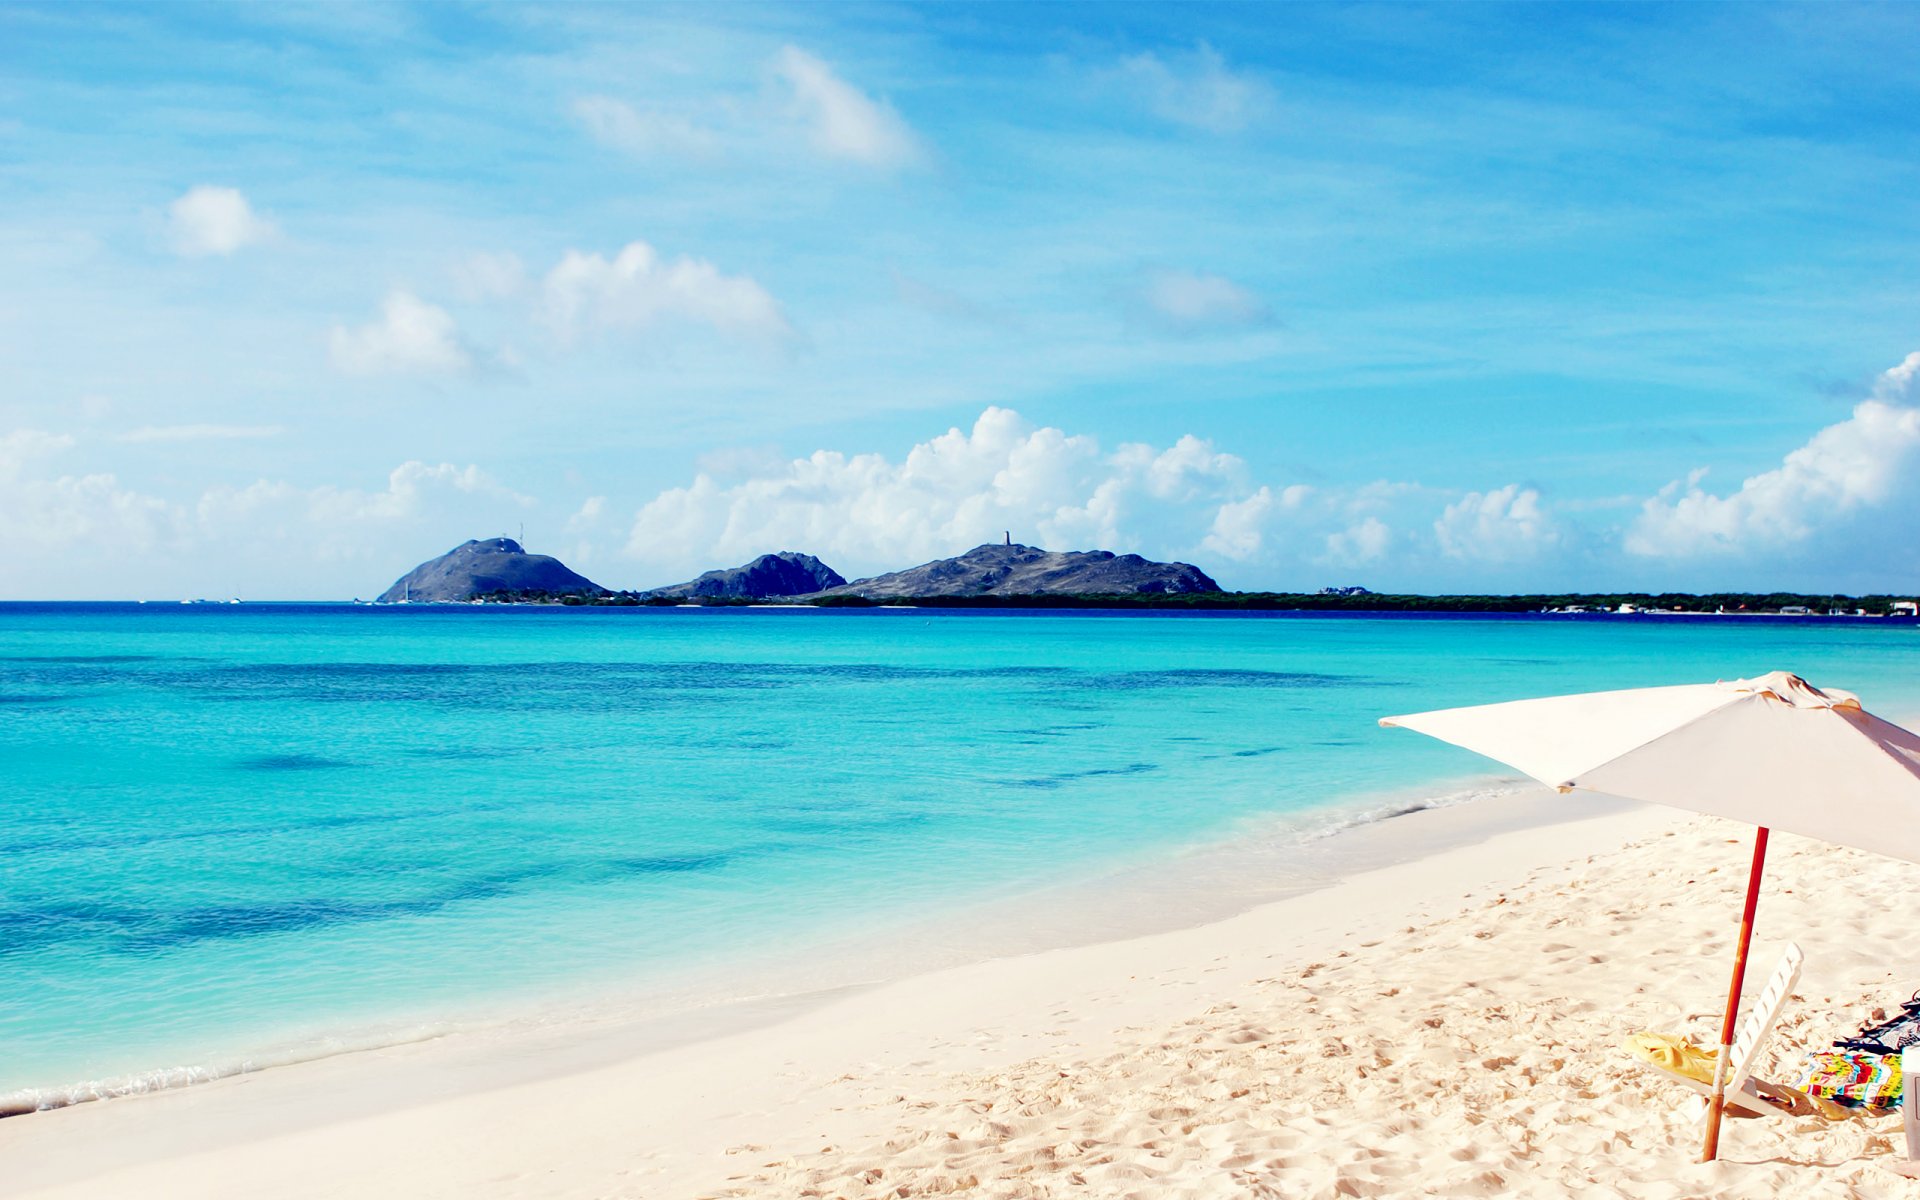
[1429,298]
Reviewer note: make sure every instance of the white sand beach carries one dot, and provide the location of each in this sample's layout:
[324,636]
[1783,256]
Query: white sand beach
[1448,1026]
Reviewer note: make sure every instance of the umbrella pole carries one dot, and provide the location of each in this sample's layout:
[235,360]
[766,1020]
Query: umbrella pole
[1717,1105]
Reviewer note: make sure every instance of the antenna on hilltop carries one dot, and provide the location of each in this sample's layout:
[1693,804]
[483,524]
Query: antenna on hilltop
[523,535]
[1009,537]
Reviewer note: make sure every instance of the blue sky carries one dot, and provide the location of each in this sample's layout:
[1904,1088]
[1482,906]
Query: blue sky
[1435,298]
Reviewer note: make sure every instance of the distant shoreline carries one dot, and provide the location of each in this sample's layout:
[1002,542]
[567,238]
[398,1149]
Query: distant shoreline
[1793,605]
[1874,609]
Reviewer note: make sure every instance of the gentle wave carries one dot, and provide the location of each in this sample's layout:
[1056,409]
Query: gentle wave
[1333,824]
[21,1101]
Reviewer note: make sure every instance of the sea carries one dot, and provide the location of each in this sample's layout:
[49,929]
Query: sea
[233,836]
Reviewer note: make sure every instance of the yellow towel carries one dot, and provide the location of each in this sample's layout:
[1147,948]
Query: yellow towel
[1684,1058]
[1674,1054]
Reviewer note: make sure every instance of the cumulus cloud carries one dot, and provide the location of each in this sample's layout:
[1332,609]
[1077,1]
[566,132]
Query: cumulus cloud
[1238,526]
[637,289]
[963,488]
[1196,88]
[72,534]
[1189,500]
[282,538]
[53,511]
[844,122]
[1240,529]
[643,134]
[1862,463]
[412,337]
[1366,541]
[1897,381]
[1502,526]
[1196,302]
[211,220]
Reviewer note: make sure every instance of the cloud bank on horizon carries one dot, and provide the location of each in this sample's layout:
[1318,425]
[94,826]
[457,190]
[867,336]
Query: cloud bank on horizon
[1460,303]
[1845,496]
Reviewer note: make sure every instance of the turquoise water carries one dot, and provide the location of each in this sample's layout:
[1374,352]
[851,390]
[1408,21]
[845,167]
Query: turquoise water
[233,832]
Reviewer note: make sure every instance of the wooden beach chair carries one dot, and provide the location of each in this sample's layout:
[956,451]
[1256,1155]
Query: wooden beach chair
[1743,1091]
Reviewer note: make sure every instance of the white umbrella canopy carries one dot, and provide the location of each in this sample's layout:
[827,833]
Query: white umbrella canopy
[1775,752]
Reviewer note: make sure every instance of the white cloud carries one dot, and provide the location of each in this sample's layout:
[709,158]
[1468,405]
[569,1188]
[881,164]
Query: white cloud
[844,122]
[1240,527]
[868,512]
[588,515]
[1196,302]
[273,537]
[1189,500]
[1237,529]
[1364,542]
[637,289]
[643,134]
[342,510]
[411,337]
[200,433]
[1196,88]
[487,276]
[72,535]
[215,221]
[23,446]
[1862,463]
[60,513]
[1896,382]
[817,108]
[1502,526]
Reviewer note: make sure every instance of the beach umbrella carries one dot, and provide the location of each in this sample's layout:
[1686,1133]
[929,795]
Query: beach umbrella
[1775,752]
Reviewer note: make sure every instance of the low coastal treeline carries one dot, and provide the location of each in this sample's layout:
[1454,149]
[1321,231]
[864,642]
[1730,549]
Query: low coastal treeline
[1572,603]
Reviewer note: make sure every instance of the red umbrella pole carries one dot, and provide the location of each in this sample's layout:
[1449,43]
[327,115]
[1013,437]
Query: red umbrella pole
[1717,1106]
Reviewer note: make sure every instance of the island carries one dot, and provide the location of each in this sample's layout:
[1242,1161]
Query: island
[1010,575]
[771,576]
[1015,570]
[478,568]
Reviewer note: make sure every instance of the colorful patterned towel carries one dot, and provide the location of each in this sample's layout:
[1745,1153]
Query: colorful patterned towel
[1854,1079]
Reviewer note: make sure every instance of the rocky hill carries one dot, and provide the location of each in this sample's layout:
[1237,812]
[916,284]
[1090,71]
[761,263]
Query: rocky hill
[1026,571]
[475,568]
[787,573]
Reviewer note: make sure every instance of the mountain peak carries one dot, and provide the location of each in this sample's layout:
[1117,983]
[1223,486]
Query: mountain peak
[1011,569]
[476,567]
[788,573]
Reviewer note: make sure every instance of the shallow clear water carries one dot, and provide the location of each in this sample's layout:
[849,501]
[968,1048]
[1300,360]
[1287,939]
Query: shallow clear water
[226,829]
